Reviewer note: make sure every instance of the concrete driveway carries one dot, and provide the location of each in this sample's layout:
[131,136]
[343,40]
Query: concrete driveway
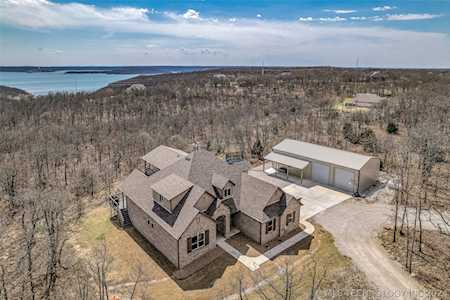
[318,198]
[315,198]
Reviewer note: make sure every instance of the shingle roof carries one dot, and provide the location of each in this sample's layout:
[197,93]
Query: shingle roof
[255,196]
[334,156]
[276,208]
[163,156]
[197,168]
[219,181]
[137,187]
[171,186]
[231,205]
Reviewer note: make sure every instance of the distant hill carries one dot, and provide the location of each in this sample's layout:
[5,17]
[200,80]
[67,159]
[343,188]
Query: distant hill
[12,92]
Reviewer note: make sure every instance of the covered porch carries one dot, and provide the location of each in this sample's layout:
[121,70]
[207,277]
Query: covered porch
[288,168]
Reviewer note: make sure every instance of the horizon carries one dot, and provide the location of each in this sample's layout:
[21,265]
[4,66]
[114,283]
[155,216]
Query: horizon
[226,67]
[372,34]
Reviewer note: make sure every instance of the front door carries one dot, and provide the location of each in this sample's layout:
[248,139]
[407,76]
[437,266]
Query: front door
[221,225]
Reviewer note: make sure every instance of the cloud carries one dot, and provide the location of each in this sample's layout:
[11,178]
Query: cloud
[341,11]
[306,19]
[313,41]
[335,19]
[411,17]
[328,19]
[46,14]
[259,16]
[358,18]
[383,8]
[232,20]
[191,14]
[50,51]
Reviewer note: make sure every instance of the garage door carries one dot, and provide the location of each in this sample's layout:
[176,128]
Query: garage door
[343,179]
[320,173]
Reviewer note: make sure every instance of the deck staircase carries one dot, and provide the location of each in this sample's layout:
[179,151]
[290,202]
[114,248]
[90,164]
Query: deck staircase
[124,218]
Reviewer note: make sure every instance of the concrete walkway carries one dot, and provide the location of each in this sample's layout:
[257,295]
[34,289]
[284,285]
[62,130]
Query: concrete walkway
[254,263]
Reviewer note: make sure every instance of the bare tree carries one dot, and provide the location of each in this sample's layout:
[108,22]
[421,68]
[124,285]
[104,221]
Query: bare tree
[100,267]
[283,287]
[3,290]
[29,221]
[318,275]
[138,279]
[53,206]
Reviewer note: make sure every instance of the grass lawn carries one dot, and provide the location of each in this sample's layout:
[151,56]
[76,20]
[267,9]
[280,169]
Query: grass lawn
[129,249]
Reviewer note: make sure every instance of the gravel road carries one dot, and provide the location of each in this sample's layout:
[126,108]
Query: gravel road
[354,225]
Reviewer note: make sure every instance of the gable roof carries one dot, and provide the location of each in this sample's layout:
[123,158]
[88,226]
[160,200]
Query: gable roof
[219,181]
[198,169]
[163,156]
[333,156]
[171,186]
[255,197]
[137,186]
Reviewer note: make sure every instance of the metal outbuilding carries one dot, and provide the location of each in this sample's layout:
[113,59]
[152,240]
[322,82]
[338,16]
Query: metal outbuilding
[344,170]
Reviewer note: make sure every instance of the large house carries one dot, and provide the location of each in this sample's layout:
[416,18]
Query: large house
[181,203]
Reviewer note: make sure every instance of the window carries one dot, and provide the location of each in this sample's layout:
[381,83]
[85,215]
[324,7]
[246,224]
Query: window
[198,241]
[227,192]
[290,218]
[158,197]
[271,226]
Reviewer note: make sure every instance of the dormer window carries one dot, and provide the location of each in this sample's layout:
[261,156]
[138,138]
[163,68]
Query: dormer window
[158,197]
[169,191]
[227,193]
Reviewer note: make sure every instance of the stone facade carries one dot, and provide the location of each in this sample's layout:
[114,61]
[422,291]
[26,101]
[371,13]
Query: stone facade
[223,210]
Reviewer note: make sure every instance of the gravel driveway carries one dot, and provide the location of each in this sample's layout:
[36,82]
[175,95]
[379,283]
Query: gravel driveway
[354,225]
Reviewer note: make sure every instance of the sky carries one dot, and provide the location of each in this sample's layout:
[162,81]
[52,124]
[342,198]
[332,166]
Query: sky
[409,34]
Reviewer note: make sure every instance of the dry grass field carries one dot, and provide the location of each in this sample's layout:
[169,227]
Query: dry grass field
[431,266]
[219,279]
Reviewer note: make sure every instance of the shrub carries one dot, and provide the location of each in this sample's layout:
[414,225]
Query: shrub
[392,128]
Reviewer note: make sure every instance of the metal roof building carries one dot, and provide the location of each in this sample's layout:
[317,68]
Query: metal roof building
[344,170]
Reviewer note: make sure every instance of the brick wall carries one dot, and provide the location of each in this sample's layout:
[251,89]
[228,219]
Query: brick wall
[199,224]
[248,226]
[155,234]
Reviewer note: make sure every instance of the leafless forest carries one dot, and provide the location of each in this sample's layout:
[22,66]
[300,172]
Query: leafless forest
[57,152]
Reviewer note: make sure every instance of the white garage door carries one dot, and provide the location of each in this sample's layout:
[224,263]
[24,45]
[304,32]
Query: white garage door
[320,173]
[343,179]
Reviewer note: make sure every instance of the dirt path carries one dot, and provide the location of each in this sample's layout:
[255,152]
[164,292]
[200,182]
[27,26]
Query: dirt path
[354,226]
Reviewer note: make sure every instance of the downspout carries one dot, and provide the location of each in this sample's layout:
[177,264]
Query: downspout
[178,253]
[260,232]
[279,227]
[356,194]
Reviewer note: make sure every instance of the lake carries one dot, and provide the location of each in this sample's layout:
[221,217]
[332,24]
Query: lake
[68,80]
